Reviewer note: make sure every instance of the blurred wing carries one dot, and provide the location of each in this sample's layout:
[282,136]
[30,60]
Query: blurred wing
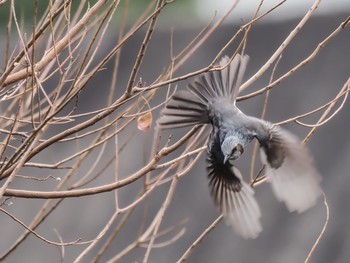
[290,170]
[234,198]
[190,107]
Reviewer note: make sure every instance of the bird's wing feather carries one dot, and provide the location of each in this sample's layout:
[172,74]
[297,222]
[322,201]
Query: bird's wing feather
[234,198]
[290,169]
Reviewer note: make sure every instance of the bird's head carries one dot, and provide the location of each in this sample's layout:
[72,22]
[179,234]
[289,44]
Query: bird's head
[231,149]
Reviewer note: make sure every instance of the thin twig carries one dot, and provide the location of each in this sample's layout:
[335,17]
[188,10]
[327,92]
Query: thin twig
[104,188]
[189,251]
[280,49]
[317,242]
[36,234]
[317,50]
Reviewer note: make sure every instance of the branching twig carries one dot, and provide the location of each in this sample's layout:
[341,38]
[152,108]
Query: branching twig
[47,72]
[36,234]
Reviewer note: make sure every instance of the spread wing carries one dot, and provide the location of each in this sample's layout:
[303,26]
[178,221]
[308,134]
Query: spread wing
[234,198]
[289,169]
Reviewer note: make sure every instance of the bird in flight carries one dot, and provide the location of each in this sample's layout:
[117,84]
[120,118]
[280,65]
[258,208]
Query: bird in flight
[211,99]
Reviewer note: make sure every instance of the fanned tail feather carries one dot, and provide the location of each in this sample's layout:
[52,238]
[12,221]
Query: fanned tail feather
[190,107]
[183,109]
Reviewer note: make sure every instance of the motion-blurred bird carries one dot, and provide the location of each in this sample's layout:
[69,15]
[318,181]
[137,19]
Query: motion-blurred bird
[211,98]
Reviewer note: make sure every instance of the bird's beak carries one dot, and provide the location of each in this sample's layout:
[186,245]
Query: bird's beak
[226,158]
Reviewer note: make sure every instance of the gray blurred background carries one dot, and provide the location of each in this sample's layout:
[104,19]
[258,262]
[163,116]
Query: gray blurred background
[287,237]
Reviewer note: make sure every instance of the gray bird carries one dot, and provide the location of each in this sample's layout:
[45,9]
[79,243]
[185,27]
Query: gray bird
[211,98]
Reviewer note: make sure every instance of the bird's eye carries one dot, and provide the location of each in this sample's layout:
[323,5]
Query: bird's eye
[236,152]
